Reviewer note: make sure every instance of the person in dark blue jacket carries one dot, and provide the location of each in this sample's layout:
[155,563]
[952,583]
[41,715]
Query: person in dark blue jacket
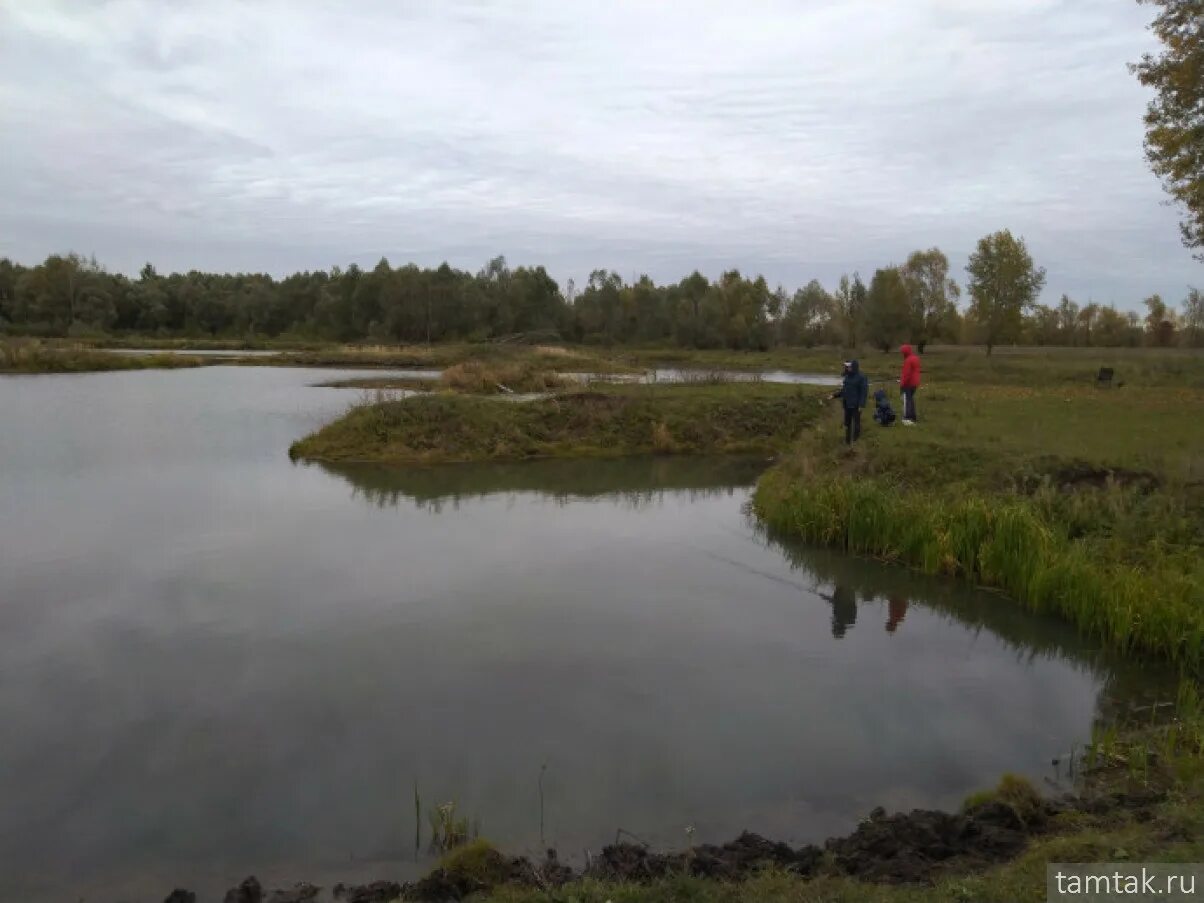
[853,393]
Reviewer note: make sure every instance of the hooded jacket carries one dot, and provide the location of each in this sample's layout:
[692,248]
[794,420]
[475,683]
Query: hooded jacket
[910,377]
[856,388]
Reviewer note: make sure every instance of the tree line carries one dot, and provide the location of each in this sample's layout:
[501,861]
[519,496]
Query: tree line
[916,301]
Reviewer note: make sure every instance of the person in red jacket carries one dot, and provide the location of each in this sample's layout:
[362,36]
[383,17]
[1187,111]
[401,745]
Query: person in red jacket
[909,381]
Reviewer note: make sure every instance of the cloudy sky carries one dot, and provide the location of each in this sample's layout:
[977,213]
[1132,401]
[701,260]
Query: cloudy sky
[796,139]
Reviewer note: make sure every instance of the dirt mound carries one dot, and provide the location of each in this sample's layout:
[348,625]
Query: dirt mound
[376,892]
[250,891]
[732,861]
[480,867]
[748,853]
[913,847]
[301,892]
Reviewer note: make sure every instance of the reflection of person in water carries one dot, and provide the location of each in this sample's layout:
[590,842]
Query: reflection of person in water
[844,610]
[896,611]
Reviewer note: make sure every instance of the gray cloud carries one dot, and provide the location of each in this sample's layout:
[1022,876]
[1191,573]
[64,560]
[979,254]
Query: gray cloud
[797,139]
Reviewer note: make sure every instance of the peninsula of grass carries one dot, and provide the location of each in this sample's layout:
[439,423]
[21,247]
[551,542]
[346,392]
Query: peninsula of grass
[33,356]
[559,358]
[733,418]
[472,377]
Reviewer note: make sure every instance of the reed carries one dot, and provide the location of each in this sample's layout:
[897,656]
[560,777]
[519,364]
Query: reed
[36,356]
[1146,601]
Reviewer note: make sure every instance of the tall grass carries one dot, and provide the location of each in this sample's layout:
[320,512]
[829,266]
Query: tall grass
[1148,601]
[478,378]
[35,356]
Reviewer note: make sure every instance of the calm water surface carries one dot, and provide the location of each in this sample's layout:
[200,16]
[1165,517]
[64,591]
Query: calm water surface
[214,662]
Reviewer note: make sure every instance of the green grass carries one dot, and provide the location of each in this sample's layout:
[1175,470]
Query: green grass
[945,364]
[1082,503]
[34,356]
[536,357]
[620,420]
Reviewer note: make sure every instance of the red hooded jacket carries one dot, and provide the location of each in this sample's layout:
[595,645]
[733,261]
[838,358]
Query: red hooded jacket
[910,378]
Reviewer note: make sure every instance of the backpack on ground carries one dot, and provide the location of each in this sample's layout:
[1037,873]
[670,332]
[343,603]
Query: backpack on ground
[884,414]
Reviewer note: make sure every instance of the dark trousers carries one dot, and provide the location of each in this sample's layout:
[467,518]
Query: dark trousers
[852,425]
[909,404]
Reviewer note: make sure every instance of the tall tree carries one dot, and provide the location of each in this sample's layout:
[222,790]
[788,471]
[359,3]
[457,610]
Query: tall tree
[807,315]
[68,291]
[1174,119]
[1112,329]
[1088,317]
[1193,318]
[849,301]
[932,295]
[1004,283]
[887,309]
[686,300]
[1068,321]
[1159,322]
[1043,326]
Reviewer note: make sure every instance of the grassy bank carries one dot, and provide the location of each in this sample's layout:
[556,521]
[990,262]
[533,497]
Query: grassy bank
[1082,503]
[33,356]
[619,420]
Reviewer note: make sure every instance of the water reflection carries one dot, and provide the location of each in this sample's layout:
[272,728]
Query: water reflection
[843,600]
[1126,686]
[634,482]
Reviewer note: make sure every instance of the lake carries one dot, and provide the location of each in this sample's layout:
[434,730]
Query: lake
[214,662]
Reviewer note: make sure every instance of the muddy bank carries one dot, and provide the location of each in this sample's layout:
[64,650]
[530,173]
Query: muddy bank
[915,848]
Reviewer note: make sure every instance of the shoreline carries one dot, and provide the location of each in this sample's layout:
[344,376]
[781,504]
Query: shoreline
[886,856]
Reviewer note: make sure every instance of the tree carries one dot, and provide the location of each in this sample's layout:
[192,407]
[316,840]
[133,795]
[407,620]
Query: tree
[1159,322]
[807,315]
[1044,326]
[849,302]
[1068,320]
[1003,284]
[1174,119]
[1088,317]
[1112,329]
[686,301]
[887,309]
[932,295]
[68,290]
[9,274]
[1193,318]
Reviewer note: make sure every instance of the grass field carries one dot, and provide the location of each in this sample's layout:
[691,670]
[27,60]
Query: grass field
[1029,366]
